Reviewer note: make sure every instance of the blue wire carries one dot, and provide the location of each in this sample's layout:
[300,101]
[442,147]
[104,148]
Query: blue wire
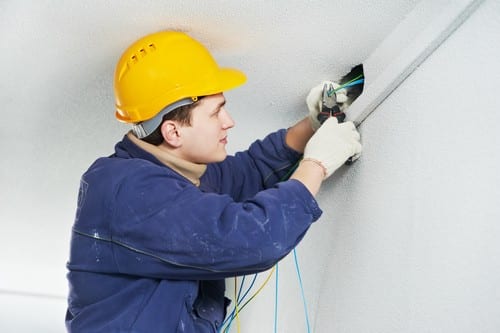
[238,301]
[229,319]
[354,83]
[249,288]
[232,312]
[276,302]
[301,289]
[241,287]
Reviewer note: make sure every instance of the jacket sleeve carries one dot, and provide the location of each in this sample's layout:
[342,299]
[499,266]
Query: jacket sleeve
[180,232]
[264,164]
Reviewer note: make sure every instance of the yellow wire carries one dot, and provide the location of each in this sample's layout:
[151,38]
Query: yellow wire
[236,304]
[261,287]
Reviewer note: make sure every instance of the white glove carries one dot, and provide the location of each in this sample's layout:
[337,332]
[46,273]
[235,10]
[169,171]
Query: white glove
[314,102]
[333,144]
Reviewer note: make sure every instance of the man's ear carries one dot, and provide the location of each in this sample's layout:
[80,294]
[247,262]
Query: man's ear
[171,134]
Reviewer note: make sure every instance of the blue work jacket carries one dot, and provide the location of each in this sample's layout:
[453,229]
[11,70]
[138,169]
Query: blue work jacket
[150,250]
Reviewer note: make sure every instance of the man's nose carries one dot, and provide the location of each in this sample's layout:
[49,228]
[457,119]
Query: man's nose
[227,120]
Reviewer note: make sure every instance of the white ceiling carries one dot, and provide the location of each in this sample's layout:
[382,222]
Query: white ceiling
[56,67]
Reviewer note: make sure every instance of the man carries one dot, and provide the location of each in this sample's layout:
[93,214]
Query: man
[162,221]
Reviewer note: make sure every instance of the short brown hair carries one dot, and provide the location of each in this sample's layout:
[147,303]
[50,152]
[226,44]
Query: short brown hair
[182,114]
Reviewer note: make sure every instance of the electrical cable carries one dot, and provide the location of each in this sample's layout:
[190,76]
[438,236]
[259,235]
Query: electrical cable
[260,288]
[354,83]
[302,290]
[231,317]
[237,300]
[236,304]
[233,313]
[344,85]
[298,274]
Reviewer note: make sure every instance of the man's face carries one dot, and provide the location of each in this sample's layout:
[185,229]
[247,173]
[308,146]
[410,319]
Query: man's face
[205,140]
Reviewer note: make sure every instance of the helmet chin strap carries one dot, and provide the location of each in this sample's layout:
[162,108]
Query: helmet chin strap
[145,128]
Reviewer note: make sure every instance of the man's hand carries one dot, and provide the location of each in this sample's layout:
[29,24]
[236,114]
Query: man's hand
[314,102]
[332,145]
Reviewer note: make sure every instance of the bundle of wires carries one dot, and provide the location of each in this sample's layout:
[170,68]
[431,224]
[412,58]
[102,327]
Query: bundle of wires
[226,325]
[354,82]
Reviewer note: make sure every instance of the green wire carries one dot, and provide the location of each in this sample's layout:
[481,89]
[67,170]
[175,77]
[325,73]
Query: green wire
[350,81]
[331,92]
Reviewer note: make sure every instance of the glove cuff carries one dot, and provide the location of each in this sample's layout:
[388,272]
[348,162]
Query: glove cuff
[325,170]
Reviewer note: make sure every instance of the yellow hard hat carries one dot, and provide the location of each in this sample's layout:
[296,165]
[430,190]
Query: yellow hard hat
[164,69]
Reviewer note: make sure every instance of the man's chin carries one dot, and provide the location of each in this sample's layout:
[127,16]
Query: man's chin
[221,158]
[217,158]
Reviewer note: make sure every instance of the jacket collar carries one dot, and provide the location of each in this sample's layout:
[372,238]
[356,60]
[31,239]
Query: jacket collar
[140,149]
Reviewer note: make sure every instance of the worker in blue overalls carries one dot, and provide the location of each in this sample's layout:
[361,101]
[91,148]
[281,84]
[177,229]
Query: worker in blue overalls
[168,216]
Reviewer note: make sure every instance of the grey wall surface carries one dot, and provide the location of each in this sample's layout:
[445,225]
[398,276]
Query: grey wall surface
[407,242]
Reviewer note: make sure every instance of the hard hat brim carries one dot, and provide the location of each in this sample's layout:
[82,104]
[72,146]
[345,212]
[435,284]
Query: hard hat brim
[222,80]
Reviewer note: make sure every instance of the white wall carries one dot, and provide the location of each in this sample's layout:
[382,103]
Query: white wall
[406,243]
[415,231]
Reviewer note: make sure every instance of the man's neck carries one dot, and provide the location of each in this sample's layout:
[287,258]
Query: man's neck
[190,170]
